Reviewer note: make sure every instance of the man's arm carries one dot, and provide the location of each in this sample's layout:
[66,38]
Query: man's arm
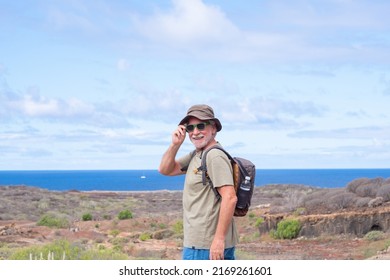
[168,165]
[228,204]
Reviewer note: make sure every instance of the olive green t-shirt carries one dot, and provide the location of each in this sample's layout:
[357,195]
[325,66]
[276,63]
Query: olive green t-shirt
[200,204]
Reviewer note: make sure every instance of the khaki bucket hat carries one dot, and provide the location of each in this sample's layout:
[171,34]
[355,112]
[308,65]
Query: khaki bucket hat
[202,112]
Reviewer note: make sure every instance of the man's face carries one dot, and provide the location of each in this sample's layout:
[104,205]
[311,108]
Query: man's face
[202,135]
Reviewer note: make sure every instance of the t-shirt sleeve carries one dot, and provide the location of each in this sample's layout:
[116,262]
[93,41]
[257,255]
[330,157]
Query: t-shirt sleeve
[184,161]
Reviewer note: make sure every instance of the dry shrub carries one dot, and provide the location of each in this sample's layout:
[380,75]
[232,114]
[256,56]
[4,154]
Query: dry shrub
[340,200]
[353,185]
[384,191]
[147,254]
[362,201]
[375,202]
[358,193]
[367,191]
[163,234]
[294,199]
[365,187]
[387,181]
[314,201]
[328,200]
[312,204]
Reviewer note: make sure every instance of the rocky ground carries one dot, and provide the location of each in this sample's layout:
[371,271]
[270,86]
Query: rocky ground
[155,214]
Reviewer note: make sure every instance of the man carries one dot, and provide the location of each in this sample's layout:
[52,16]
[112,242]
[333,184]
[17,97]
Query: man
[209,229]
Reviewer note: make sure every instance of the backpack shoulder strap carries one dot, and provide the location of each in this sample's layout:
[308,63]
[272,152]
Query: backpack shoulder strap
[185,168]
[203,166]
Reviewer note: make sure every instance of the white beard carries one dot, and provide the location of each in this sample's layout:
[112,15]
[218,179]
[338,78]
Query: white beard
[201,141]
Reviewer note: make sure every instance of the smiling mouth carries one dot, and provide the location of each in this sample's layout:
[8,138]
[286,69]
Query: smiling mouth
[197,137]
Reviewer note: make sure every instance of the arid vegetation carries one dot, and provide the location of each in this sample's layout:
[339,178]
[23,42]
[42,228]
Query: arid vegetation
[36,223]
[359,193]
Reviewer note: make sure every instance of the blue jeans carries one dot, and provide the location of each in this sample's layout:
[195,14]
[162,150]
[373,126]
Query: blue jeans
[204,254]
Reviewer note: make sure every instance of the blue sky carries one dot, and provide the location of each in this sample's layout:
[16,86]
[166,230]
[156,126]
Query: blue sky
[102,84]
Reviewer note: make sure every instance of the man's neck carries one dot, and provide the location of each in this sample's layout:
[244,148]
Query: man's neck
[208,146]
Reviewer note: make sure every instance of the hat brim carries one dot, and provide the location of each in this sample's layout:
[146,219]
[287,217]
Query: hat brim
[218,124]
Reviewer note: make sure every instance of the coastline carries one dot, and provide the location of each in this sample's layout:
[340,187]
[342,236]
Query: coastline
[130,180]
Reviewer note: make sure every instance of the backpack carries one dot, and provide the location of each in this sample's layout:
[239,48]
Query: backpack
[244,172]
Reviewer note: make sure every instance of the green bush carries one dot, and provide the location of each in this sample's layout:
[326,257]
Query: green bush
[103,254]
[107,216]
[114,232]
[299,211]
[118,243]
[259,221]
[178,227]
[64,250]
[145,236]
[6,249]
[53,221]
[287,229]
[58,250]
[374,235]
[87,217]
[125,214]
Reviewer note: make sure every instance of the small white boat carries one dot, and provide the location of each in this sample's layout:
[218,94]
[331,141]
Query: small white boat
[143,177]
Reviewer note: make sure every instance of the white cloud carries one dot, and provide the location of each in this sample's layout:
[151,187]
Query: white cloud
[3,69]
[367,132]
[126,75]
[63,20]
[281,31]
[327,14]
[32,104]
[37,107]
[205,30]
[188,22]
[146,105]
[268,113]
[122,64]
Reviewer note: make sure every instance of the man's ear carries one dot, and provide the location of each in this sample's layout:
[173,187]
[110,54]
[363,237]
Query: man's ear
[214,132]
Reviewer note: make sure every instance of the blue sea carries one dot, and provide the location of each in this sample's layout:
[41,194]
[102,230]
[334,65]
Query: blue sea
[151,180]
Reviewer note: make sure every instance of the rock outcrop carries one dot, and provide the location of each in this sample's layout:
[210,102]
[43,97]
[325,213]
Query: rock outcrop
[354,222]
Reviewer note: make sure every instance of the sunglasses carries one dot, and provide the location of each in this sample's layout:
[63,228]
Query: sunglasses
[200,126]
